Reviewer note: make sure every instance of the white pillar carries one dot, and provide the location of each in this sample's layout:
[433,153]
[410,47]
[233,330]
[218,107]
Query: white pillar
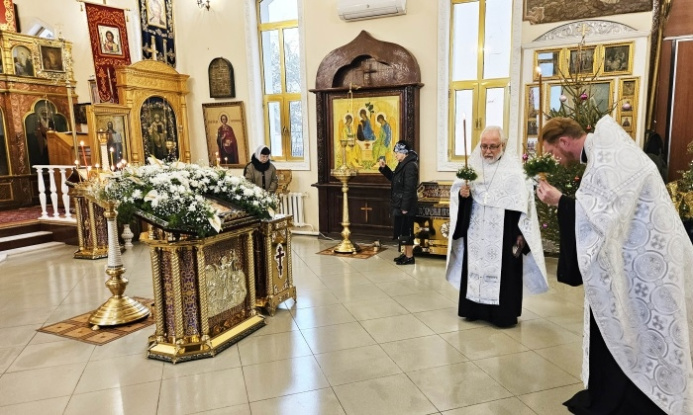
[42,192]
[54,191]
[63,190]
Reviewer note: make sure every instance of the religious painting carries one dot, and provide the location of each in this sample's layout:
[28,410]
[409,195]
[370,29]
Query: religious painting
[4,149]
[365,130]
[627,123]
[52,58]
[113,120]
[109,40]
[618,59]
[599,93]
[221,79]
[548,62]
[550,11]
[43,117]
[23,61]
[159,129]
[227,137]
[156,13]
[532,112]
[80,111]
[628,88]
[582,61]
[94,92]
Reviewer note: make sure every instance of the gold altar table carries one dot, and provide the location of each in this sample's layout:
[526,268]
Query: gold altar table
[274,282]
[204,290]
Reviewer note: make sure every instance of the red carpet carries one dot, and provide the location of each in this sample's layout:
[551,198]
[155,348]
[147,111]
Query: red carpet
[31,213]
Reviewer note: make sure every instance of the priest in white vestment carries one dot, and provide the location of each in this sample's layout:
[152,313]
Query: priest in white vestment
[623,239]
[494,247]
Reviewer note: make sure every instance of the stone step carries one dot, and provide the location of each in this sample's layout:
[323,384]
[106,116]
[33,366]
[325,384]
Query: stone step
[19,228]
[29,249]
[25,239]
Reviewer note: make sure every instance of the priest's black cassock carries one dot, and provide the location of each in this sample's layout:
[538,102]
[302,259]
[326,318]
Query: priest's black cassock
[504,314]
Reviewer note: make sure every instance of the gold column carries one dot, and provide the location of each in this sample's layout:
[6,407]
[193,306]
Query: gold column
[119,309]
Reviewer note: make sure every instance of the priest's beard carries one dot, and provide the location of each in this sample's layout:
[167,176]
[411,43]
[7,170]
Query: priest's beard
[492,159]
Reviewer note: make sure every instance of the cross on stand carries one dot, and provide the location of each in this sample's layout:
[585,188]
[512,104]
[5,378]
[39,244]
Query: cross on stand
[280,259]
[148,49]
[367,74]
[366,209]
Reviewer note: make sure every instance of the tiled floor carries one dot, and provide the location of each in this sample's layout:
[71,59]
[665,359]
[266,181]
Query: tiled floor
[365,337]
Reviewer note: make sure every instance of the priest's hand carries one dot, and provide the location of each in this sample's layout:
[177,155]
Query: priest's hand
[548,194]
[464,191]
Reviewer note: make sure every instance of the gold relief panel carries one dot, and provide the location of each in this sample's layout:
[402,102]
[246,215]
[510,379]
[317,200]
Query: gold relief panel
[226,286]
[36,59]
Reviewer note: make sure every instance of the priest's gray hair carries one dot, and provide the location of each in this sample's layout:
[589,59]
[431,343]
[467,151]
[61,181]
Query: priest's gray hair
[489,128]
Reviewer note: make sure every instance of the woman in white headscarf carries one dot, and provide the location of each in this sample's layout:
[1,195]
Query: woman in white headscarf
[260,171]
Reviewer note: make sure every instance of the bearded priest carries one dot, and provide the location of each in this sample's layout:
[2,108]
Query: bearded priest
[494,248]
[622,238]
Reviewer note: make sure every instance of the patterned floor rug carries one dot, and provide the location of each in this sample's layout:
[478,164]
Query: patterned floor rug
[22,215]
[364,253]
[78,328]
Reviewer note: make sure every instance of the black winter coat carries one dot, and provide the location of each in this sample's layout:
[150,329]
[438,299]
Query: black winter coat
[405,180]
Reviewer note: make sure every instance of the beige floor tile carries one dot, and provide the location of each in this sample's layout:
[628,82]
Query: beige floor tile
[389,276]
[52,406]
[278,346]
[566,356]
[126,370]
[228,359]
[395,328]
[424,301]
[51,354]
[9,355]
[281,322]
[358,293]
[483,342]
[24,317]
[316,402]
[370,309]
[17,336]
[550,402]
[541,333]
[453,386]
[308,318]
[408,287]
[344,280]
[314,298]
[392,395]
[445,320]
[571,322]
[243,409]
[338,337]
[525,372]
[141,399]
[550,305]
[283,377]
[422,353]
[202,392]
[34,385]
[507,406]
[528,315]
[352,365]
[40,338]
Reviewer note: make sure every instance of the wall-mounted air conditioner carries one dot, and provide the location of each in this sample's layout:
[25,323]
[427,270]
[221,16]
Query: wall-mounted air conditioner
[351,10]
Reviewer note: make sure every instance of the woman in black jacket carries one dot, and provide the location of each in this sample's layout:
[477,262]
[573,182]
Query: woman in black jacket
[404,180]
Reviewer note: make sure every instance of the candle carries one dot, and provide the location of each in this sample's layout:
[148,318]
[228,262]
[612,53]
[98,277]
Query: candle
[583,30]
[110,151]
[226,160]
[84,154]
[464,135]
[218,160]
[540,115]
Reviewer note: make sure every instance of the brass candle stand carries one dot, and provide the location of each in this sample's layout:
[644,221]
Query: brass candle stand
[119,309]
[344,174]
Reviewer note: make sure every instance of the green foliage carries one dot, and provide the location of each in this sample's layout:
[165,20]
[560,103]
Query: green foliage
[540,164]
[467,173]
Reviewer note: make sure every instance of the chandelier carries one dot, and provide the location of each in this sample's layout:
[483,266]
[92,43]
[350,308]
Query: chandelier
[203,4]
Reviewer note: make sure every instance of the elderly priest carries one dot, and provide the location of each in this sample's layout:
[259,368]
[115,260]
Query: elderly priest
[622,238]
[494,246]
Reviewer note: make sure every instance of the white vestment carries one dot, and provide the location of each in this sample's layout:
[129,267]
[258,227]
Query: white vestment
[500,186]
[636,262]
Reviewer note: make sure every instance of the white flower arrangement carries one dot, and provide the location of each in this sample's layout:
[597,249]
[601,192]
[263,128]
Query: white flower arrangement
[178,194]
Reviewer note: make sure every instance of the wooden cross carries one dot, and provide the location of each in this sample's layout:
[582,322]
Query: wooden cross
[280,259]
[367,74]
[366,209]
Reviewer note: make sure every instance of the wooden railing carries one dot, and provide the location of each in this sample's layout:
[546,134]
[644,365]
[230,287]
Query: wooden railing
[52,192]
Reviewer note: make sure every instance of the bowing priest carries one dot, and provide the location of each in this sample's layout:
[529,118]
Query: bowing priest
[495,246]
[622,239]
